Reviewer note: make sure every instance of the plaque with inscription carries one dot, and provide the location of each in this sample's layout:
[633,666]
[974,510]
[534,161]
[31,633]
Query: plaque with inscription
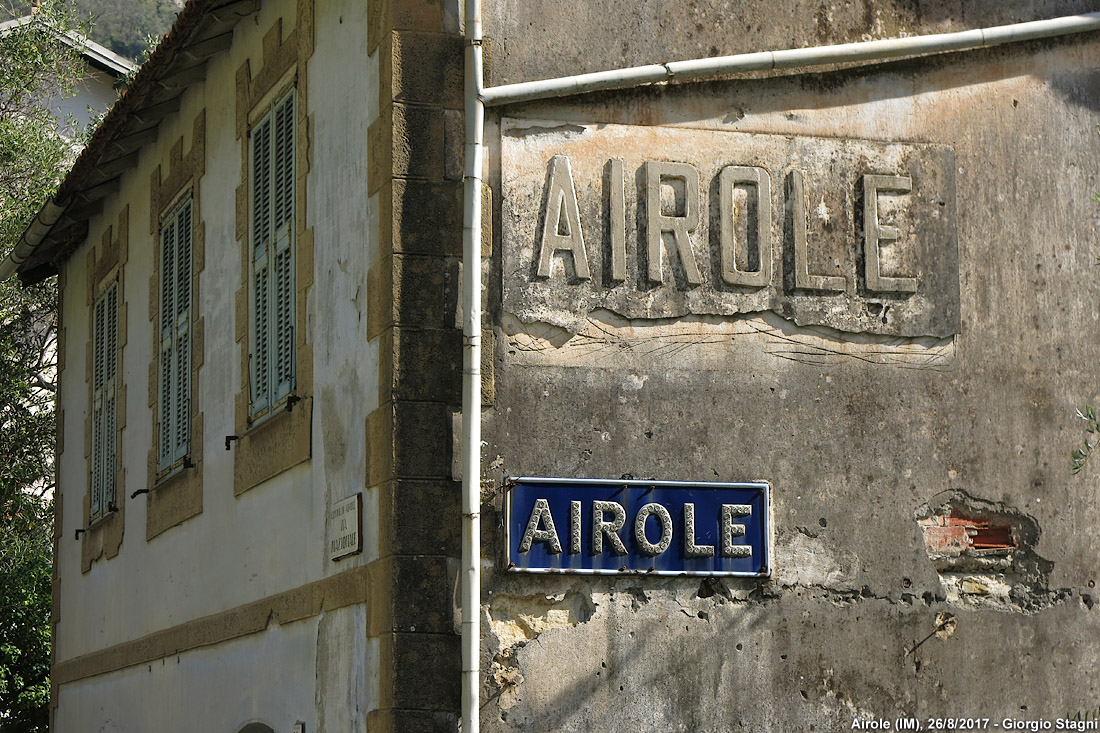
[663,222]
[606,526]
[345,527]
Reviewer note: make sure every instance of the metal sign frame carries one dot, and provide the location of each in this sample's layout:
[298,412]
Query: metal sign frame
[762,530]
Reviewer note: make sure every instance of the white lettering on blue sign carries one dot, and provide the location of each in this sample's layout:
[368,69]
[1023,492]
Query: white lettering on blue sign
[541,528]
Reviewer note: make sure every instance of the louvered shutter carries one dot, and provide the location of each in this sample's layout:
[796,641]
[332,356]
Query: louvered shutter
[110,437]
[283,270]
[261,228]
[273,268]
[104,420]
[174,408]
[99,340]
[181,393]
[167,357]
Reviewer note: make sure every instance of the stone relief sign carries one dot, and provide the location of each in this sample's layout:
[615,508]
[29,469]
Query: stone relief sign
[662,222]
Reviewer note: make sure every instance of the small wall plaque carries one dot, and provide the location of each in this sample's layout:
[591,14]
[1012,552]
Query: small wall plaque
[345,527]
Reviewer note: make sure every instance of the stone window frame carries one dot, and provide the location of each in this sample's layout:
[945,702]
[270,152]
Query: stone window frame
[176,493]
[105,268]
[265,448]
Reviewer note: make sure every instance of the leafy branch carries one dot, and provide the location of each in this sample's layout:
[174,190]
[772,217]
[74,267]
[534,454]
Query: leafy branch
[1092,427]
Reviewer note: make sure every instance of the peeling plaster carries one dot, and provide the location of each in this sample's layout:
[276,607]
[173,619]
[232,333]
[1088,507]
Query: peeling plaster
[985,554]
[709,342]
[516,619]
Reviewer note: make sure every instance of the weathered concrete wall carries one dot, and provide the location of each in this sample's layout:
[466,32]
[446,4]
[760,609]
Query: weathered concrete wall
[879,446]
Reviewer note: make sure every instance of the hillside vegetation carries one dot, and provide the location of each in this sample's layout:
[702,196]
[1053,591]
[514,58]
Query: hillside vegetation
[120,25]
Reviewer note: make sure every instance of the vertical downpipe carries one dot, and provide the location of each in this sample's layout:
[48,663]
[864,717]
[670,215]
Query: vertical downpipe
[471,375]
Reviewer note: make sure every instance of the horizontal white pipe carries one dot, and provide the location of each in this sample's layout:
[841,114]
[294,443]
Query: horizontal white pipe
[791,58]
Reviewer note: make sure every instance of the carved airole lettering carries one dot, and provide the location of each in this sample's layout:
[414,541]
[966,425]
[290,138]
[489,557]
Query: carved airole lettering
[761,183]
[671,233]
[796,204]
[648,223]
[876,232]
[561,226]
[616,206]
[678,226]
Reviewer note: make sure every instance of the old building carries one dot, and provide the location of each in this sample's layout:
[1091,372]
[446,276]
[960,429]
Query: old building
[104,73]
[854,285]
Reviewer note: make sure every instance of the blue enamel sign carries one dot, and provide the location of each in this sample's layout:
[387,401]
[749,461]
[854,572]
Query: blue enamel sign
[630,526]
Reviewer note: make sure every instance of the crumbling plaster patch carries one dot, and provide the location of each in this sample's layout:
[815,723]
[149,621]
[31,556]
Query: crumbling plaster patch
[984,553]
[706,341]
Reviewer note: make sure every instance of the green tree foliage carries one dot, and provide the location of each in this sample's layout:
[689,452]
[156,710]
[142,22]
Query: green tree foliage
[124,25]
[1092,427]
[121,25]
[34,68]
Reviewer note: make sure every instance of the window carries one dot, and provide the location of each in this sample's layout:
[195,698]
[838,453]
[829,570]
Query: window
[272,367]
[174,398]
[104,403]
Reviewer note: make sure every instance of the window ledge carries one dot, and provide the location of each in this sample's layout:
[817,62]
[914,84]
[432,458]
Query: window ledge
[182,467]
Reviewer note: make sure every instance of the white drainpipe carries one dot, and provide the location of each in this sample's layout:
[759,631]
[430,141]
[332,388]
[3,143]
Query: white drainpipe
[477,98]
[471,375]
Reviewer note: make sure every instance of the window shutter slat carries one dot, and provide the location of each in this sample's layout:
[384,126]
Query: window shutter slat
[110,360]
[181,408]
[261,183]
[168,277]
[110,456]
[261,384]
[183,262]
[98,345]
[111,373]
[104,420]
[284,163]
[96,503]
[165,437]
[284,323]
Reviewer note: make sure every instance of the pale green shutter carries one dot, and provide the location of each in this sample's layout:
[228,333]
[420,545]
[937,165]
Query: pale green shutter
[110,462]
[174,408]
[272,241]
[181,407]
[99,339]
[261,227]
[283,270]
[167,358]
[104,419]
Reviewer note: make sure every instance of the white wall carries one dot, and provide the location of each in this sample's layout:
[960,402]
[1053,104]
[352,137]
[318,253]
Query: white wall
[269,677]
[271,538]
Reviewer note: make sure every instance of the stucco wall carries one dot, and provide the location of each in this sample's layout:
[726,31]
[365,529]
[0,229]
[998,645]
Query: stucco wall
[273,677]
[859,434]
[269,540]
